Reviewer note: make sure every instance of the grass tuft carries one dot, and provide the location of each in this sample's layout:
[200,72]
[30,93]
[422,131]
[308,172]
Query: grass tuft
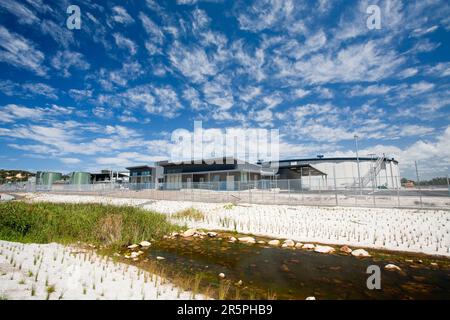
[190,213]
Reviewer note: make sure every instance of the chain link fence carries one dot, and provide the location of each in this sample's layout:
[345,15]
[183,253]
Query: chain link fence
[320,192]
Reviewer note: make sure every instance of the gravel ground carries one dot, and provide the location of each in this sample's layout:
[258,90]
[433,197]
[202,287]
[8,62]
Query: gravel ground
[53,271]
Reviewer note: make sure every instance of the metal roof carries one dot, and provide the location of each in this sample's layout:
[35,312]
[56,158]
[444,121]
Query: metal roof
[331,159]
[139,167]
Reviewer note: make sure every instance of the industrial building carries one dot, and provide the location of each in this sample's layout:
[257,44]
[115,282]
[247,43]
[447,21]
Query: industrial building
[222,171]
[310,173]
[342,172]
[48,178]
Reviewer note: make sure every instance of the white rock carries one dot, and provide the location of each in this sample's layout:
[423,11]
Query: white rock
[189,233]
[392,267]
[247,240]
[310,298]
[289,243]
[324,249]
[284,245]
[135,254]
[133,246]
[298,245]
[360,253]
[308,246]
[145,244]
[212,234]
[222,275]
[160,258]
[274,242]
[233,239]
[261,242]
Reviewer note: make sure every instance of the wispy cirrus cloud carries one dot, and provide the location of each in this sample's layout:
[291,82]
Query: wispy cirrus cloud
[20,52]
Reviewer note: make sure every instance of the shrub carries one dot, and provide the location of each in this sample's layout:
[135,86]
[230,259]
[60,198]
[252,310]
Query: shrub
[68,223]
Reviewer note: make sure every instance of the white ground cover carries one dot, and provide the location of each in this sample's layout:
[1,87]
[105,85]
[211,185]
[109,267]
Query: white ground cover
[27,271]
[412,230]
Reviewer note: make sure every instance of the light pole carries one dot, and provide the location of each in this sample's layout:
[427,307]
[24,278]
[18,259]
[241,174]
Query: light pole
[357,160]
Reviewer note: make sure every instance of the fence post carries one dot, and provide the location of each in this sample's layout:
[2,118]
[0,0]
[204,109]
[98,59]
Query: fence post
[448,185]
[289,191]
[418,183]
[335,185]
[374,183]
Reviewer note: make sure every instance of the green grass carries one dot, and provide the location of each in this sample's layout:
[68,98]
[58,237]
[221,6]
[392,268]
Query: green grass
[89,223]
[190,213]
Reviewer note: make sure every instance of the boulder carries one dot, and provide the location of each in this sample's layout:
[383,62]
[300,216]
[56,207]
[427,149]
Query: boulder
[233,239]
[298,245]
[222,275]
[345,249]
[310,298]
[133,246]
[284,245]
[145,244]
[189,233]
[360,253]
[135,254]
[392,267]
[247,240]
[324,249]
[289,243]
[261,242]
[274,242]
[308,246]
[212,234]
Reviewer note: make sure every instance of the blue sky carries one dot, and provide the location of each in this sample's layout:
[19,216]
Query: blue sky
[110,94]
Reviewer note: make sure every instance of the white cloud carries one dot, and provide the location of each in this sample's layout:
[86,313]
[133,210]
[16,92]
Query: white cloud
[439,70]
[151,28]
[192,62]
[66,60]
[11,113]
[359,62]
[20,52]
[61,35]
[218,93]
[22,13]
[27,90]
[120,15]
[265,14]
[70,160]
[125,43]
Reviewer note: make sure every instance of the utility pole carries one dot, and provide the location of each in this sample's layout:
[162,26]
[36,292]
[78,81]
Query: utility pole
[357,160]
[418,182]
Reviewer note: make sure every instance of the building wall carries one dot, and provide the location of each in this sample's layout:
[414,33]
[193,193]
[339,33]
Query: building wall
[347,174]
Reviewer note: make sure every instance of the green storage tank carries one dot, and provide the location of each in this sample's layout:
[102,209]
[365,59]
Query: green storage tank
[48,178]
[80,178]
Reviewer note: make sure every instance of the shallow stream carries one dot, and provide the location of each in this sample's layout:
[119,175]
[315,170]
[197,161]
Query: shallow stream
[261,271]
